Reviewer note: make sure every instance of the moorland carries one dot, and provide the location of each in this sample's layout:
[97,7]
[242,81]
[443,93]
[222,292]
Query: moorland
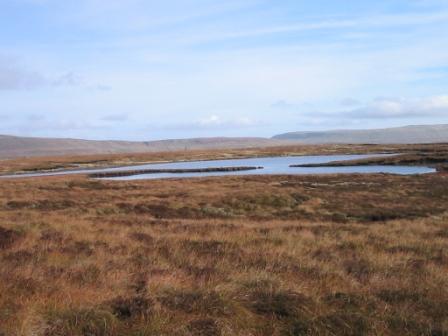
[238,255]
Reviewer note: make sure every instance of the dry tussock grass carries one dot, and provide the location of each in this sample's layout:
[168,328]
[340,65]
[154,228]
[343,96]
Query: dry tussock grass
[420,155]
[259,255]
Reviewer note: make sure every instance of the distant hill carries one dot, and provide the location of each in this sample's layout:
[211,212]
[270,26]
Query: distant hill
[13,146]
[398,135]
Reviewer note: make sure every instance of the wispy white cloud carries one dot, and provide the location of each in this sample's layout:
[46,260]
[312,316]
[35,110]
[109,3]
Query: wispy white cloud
[140,15]
[283,105]
[116,117]
[13,76]
[366,22]
[391,108]
[215,122]
[348,102]
[67,79]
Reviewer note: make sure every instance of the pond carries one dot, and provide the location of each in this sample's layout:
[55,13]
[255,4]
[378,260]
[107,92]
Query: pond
[273,166]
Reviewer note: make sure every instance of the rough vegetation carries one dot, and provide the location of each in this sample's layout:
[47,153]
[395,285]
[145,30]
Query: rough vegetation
[256,255]
[431,155]
[170,171]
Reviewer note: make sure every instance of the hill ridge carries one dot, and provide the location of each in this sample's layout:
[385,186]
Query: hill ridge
[411,134]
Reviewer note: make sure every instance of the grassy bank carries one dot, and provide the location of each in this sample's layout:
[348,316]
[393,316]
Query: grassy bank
[255,255]
[435,156]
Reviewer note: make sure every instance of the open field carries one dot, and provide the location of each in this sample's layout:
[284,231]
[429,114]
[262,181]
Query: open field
[256,255]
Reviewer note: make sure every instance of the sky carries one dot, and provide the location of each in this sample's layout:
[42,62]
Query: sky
[147,69]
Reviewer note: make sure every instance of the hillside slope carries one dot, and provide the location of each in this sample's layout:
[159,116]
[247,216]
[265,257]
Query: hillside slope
[12,146]
[398,135]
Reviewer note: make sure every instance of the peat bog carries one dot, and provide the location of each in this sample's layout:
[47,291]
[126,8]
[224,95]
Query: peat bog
[251,255]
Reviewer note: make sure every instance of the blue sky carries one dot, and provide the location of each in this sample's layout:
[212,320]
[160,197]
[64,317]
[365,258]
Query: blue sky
[143,70]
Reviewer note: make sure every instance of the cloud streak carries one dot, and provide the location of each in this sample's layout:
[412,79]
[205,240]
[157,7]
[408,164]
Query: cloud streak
[14,77]
[391,108]
[215,122]
[367,22]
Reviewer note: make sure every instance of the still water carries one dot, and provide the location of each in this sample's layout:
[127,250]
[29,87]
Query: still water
[274,165]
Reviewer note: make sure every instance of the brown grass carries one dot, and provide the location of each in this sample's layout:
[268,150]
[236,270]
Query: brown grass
[430,155]
[256,255]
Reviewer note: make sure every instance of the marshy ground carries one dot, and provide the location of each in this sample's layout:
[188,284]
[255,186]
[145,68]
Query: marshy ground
[256,255]
[435,156]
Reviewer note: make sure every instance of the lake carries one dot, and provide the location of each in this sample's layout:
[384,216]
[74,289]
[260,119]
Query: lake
[271,166]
